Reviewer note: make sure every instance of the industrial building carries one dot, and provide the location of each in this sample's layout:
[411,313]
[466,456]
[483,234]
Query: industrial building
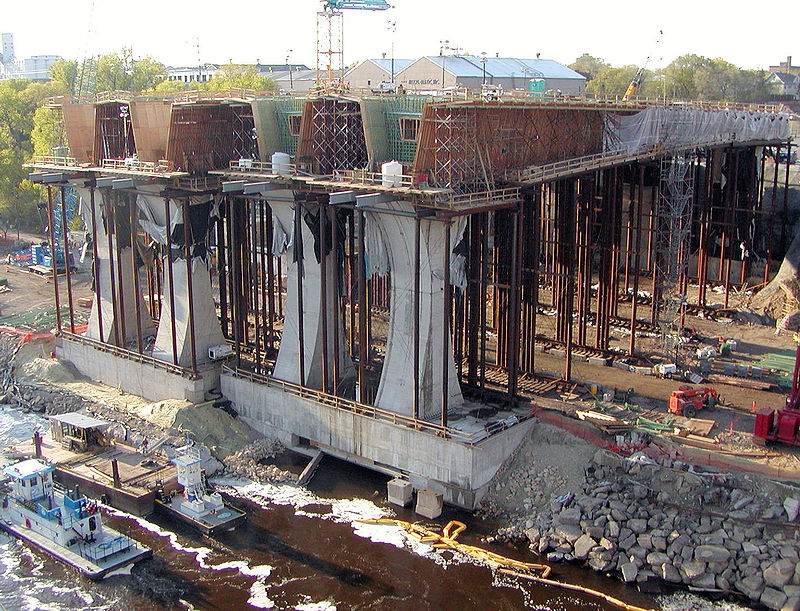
[374,276]
[438,72]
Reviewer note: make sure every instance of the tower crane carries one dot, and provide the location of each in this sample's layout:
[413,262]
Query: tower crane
[330,37]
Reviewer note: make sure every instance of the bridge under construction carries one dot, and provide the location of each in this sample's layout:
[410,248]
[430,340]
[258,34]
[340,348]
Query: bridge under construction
[374,276]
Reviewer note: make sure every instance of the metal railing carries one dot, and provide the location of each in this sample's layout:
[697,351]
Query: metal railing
[130,355]
[54,160]
[587,163]
[263,167]
[370,411]
[161,166]
[363,177]
[494,197]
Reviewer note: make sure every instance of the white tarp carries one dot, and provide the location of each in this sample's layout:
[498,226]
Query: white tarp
[676,125]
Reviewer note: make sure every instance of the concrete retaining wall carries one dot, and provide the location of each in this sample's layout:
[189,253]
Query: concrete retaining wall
[460,471]
[142,379]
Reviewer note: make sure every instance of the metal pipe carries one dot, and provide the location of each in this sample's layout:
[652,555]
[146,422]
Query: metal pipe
[171,283]
[136,288]
[447,303]
[96,266]
[221,270]
[415,402]
[110,213]
[337,309]
[53,255]
[786,196]
[256,274]
[234,279]
[363,340]
[323,283]
[120,275]
[65,232]
[514,314]
[187,237]
[298,237]
[270,276]
[637,258]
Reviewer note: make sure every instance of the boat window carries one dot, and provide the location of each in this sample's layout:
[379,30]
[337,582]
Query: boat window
[92,523]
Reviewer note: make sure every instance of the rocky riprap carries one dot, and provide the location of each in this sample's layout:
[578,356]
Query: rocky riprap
[646,519]
[251,463]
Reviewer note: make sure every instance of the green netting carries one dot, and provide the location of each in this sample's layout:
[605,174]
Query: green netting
[782,360]
[397,107]
[286,107]
[43,319]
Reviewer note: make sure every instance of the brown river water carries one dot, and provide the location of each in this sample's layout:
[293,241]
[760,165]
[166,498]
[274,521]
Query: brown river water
[304,550]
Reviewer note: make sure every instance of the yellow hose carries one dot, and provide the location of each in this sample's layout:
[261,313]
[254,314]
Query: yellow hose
[524,570]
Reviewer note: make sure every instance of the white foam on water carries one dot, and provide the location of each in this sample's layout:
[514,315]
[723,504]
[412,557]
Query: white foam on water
[343,511]
[16,426]
[260,573]
[687,601]
[321,606]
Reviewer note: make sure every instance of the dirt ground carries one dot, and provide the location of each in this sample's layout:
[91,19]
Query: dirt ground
[29,291]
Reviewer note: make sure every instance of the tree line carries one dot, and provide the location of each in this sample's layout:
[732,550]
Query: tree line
[689,77]
[29,127]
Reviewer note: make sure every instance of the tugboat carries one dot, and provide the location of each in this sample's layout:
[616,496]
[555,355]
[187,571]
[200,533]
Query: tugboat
[64,524]
[197,505]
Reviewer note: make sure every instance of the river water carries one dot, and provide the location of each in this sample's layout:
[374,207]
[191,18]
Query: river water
[300,549]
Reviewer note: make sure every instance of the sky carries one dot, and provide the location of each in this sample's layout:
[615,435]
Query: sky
[178,32]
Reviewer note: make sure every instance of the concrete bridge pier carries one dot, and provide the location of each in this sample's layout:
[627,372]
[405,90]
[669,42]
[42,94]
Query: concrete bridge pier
[304,308]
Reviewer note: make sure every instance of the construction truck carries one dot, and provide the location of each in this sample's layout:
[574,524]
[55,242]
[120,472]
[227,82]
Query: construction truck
[782,425]
[687,401]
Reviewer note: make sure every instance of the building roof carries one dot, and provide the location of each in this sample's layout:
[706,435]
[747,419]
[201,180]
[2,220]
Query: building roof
[28,468]
[785,77]
[81,421]
[386,64]
[504,67]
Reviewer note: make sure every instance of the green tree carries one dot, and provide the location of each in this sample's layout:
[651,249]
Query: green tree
[589,66]
[681,76]
[612,81]
[121,71]
[167,86]
[64,73]
[236,76]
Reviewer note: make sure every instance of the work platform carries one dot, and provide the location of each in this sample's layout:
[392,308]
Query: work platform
[93,472]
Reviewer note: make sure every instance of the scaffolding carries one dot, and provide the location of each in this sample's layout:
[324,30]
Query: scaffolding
[675,209]
[333,135]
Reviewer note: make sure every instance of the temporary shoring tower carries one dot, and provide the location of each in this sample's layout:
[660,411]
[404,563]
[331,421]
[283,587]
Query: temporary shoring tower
[330,37]
[675,197]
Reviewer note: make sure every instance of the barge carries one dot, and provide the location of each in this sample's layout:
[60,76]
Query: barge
[66,525]
[197,505]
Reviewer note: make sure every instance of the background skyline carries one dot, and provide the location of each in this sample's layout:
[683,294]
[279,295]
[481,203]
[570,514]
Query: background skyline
[173,32]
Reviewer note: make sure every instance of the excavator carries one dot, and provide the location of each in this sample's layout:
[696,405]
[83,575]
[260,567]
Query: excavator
[782,425]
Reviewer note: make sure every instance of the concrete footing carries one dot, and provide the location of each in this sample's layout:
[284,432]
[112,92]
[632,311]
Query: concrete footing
[133,376]
[429,504]
[459,470]
[399,492]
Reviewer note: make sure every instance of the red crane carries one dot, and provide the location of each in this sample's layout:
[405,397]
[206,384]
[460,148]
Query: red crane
[782,425]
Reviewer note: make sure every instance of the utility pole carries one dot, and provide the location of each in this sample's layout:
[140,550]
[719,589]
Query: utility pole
[289,66]
[483,62]
[392,27]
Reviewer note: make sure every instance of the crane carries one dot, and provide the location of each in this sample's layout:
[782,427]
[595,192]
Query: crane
[636,82]
[330,36]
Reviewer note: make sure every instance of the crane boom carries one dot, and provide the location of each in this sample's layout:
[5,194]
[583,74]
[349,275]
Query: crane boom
[330,38]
